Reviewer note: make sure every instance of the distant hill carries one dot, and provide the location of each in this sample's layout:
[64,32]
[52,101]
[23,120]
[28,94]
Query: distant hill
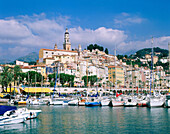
[31,57]
[4,61]
[141,53]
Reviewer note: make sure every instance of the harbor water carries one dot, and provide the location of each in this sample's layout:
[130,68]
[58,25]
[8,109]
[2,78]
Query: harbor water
[93,120]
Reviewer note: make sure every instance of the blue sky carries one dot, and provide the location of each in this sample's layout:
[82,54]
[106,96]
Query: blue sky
[27,26]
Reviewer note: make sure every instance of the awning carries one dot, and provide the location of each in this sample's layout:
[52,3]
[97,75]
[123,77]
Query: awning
[12,89]
[38,90]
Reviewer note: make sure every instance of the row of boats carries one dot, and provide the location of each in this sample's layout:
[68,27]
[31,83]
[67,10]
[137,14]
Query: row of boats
[118,100]
[12,115]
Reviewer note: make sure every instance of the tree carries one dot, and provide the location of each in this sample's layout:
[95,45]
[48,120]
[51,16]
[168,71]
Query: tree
[92,79]
[90,47]
[106,51]
[119,57]
[17,71]
[6,77]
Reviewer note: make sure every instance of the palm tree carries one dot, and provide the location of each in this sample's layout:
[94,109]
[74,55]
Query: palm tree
[6,77]
[17,71]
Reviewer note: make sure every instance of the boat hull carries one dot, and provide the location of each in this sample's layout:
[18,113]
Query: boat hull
[10,121]
[91,104]
[117,103]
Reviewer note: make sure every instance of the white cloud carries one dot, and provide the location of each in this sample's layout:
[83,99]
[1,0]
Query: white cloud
[133,46]
[24,34]
[124,19]
[103,36]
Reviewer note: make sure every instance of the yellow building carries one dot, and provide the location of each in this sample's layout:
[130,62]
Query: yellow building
[118,76]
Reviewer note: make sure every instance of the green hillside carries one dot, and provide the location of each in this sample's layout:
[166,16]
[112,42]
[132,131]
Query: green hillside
[31,57]
[141,53]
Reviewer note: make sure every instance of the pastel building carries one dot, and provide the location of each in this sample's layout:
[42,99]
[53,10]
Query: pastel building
[116,75]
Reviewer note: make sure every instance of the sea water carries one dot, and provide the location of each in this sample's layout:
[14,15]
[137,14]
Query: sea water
[93,120]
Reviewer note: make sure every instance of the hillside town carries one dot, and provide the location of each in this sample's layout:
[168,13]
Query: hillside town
[97,67]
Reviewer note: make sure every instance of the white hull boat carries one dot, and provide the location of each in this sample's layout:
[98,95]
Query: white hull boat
[33,102]
[55,102]
[73,102]
[130,103]
[105,102]
[156,102]
[24,112]
[11,120]
[116,103]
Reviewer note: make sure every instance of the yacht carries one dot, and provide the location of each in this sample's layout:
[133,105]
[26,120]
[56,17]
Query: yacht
[28,114]
[117,102]
[105,102]
[156,101]
[130,102]
[10,117]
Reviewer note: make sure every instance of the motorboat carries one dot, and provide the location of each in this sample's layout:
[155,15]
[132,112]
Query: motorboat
[33,101]
[10,117]
[28,114]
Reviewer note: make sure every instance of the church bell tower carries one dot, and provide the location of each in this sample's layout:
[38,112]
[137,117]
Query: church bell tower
[66,44]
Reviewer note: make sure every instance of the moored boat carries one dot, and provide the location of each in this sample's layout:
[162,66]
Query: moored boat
[130,103]
[156,101]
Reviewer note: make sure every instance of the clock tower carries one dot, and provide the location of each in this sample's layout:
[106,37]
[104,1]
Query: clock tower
[66,44]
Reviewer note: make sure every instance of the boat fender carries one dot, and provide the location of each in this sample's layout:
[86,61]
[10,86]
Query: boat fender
[31,113]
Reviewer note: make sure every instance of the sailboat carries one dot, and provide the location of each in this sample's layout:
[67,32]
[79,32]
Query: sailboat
[155,100]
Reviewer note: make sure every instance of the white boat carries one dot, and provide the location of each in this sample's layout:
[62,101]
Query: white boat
[130,102]
[33,102]
[11,120]
[24,112]
[82,101]
[117,102]
[142,101]
[167,101]
[43,101]
[105,102]
[73,102]
[10,117]
[55,102]
[156,101]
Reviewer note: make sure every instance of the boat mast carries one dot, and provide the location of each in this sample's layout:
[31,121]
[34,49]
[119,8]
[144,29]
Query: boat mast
[151,73]
[115,71]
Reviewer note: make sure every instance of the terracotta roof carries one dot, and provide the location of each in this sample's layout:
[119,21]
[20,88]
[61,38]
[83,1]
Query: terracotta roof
[59,50]
[49,58]
[114,66]
[25,67]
